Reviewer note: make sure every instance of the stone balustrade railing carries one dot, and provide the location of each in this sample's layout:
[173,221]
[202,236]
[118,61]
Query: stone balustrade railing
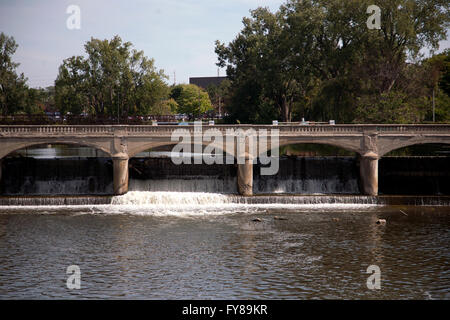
[167,129]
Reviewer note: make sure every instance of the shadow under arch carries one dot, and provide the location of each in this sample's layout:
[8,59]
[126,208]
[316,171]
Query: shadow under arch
[155,145]
[353,146]
[156,173]
[311,149]
[416,169]
[56,172]
[7,150]
[308,169]
[414,147]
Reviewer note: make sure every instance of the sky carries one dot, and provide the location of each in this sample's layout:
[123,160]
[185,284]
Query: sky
[178,34]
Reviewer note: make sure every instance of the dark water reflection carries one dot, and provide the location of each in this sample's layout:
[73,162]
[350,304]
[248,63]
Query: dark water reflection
[314,254]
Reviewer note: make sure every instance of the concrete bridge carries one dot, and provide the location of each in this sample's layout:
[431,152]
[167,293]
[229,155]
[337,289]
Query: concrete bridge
[122,142]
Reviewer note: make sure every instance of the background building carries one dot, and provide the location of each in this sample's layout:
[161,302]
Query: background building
[204,82]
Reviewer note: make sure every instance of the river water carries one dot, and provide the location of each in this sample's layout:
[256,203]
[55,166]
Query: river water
[166,239]
[200,246]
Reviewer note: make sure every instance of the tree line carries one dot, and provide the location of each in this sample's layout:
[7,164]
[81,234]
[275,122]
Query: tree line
[312,59]
[317,59]
[112,80]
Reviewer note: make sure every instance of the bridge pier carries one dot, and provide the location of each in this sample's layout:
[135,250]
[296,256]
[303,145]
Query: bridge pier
[120,174]
[369,174]
[245,177]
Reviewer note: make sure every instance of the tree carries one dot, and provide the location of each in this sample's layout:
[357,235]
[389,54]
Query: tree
[378,61]
[33,101]
[267,77]
[444,81]
[391,107]
[113,79]
[71,87]
[412,100]
[46,99]
[318,58]
[191,99]
[13,89]
[436,76]
[219,95]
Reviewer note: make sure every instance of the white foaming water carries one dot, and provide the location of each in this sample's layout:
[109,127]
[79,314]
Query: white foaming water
[332,185]
[191,204]
[196,185]
[171,203]
[182,199]
[199,203]
[228,185]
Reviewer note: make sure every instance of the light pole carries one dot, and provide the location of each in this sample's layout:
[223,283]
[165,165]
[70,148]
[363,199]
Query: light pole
[434,115]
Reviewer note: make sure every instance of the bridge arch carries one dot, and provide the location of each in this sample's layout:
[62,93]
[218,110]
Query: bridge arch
[309,168]
[351,146]
[134,150]
[11,147]
[76,175]
[387,146]
[416,169]
[324,143]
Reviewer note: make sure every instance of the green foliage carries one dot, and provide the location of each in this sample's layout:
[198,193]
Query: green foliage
[435,79]
[392,107]
[444,81]
[317,59]
[113,79]
[442,108]
[191,99]
[248,105]
[33,100]
[265,73]
[165,107]
[46,98]
[15,96]
[311,58]
[219,95]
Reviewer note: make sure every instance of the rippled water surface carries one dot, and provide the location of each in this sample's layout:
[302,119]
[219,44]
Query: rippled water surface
[202,253]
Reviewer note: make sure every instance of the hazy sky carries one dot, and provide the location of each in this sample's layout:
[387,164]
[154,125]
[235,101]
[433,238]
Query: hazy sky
[178,34]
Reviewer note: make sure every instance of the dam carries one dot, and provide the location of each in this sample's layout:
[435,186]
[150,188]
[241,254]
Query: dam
[121,143]
[58,174]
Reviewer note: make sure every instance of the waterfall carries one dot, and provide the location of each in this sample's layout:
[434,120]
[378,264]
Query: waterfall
[297,176]
[306,175]
[55,201]
[60,176]
[186,184]
[171,198]
[194,200]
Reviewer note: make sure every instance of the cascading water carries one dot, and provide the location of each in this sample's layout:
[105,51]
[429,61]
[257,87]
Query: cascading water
[192,201]
[93,176]
[158,182]
[185,199]
[171,198]
[200,203]
[186,184]
[160,174]
[59,176]
[312,175]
